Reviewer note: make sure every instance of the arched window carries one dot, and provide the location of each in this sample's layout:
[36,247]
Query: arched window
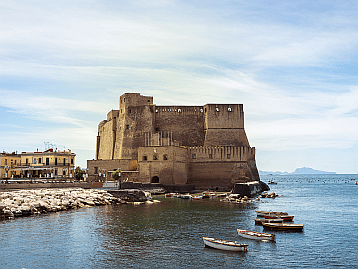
[155,179]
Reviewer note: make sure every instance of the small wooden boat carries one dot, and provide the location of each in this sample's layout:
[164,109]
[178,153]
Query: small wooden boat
[186,196]
[262,213]
[256,235]
[284,217]
[208,194]
[224,244]
[283,226]
[259,221]
[168,195]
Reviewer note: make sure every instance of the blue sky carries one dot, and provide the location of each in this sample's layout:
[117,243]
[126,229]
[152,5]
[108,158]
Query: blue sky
[293,64]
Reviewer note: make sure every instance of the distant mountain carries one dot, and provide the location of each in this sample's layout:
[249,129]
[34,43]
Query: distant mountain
[298,171]
[264,173]
[307,170]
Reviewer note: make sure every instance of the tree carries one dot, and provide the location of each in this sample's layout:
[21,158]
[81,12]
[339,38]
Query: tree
[79,173]
[116,175]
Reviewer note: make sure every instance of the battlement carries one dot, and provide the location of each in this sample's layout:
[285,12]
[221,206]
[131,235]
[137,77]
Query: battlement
[134,99]
[222,153]
[179,110]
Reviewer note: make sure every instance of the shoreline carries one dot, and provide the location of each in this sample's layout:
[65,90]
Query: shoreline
[25,202]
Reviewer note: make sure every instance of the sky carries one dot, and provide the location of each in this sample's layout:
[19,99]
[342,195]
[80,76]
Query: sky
[292,64]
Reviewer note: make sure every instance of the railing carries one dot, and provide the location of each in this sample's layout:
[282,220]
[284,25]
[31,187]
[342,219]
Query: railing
[45,165]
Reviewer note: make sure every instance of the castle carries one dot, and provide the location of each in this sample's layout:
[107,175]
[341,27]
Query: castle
[205,146]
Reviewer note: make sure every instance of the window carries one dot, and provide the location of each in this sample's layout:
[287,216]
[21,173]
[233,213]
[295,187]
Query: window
[15,162]
[55,161]
[127,127]
[228,156]
[96,170]
[210,156]
[144,158]
[193,156]
[55,172]
[12,162]
[6,161]
[40,160]
[71,161]
[165,157]
[64,161]
[64,172]
[27,161]
[155,157]
[47,161]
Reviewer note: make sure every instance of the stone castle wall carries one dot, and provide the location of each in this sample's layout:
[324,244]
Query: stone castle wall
[214,133]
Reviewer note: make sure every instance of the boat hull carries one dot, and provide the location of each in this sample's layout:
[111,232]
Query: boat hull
[283,226]
[259,221]
[284,217]
[224,244]
[256,235]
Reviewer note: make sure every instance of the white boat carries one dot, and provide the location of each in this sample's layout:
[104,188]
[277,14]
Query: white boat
[224,244]
[186,196]
[256,235]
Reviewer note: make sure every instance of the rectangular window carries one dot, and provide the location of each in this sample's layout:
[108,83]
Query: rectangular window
[71,161]
[40,160]
[55,161]
[165,157]
[144,158]
[64,161]
[47,161]
[127,127]
[55,172]
[155,157]
[210,156]
[228,156]
[6,161]
[96,170]
[27,161]
[15,162]
[193,156]
[12,162]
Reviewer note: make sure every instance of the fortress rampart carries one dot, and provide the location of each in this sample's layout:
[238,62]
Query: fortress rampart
[203,145]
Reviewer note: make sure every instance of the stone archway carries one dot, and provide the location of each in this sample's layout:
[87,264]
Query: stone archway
[155,179]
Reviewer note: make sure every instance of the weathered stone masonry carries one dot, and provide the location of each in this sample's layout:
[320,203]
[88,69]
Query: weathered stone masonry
[201,145]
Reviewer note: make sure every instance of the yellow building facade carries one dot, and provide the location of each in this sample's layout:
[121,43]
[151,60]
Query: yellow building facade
[8,163]
[50,164]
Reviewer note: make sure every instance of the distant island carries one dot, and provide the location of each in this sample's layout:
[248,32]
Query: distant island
[298,171]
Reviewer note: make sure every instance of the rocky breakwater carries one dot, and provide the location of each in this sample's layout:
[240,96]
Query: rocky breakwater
[37,201]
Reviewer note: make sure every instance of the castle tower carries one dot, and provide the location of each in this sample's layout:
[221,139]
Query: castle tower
[224,126]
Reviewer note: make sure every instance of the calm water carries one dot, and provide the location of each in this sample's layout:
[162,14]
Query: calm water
[169,234]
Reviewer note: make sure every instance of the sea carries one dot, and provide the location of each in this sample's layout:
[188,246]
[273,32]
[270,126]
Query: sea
[169,234]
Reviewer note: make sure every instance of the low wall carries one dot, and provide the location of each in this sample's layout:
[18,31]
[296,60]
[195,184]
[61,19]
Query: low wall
[129,195]
[167,188]
[16,186]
